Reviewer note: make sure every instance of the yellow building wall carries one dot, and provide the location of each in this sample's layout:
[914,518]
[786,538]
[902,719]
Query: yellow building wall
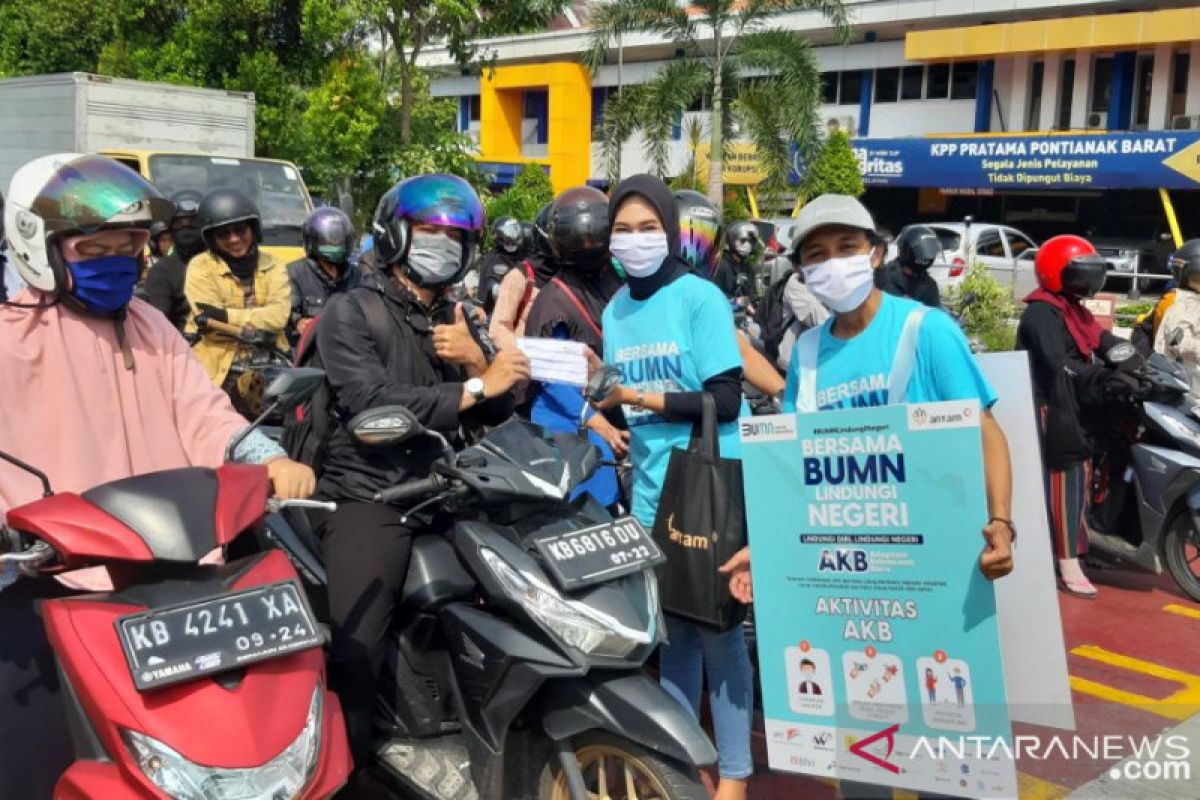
[1097,32]
[569,118]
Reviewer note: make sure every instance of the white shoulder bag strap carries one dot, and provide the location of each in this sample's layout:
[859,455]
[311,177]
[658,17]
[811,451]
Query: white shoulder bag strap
[906,357]
[808,348]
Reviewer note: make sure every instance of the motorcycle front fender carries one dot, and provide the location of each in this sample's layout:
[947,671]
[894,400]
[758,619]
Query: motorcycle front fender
[630,705]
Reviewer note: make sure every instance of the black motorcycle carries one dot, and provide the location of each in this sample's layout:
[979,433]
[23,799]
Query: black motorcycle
[1145,510]
[515,666]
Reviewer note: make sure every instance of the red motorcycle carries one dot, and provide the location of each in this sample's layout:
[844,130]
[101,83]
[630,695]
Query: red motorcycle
[187,681]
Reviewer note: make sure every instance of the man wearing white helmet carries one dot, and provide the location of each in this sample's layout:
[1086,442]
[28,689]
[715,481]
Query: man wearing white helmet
[98,386]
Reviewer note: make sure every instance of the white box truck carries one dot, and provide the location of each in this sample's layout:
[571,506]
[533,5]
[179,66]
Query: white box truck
[185,139]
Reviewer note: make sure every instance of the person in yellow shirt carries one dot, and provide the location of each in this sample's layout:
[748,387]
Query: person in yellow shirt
[234,283]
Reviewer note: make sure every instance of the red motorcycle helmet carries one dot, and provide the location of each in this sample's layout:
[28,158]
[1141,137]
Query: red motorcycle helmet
[1070,265]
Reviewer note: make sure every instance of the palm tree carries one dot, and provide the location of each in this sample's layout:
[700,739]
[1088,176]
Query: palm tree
[758,78]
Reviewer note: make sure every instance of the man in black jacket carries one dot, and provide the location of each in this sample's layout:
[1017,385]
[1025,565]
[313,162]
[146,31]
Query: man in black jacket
[163,288]
[511,246]
[426,229]
[908,274]
[734,275]
[328,237]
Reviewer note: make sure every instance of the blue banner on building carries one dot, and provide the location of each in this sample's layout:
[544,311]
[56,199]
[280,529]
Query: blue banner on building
[1150,160]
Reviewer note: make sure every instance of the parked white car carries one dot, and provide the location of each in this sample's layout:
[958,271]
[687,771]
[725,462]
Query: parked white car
[1005,252]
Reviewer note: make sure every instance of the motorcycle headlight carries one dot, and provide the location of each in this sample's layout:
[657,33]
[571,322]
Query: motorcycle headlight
[576,624]
[284,776]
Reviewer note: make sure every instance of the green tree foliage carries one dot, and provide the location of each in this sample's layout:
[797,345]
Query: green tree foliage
[834,169]
[355,117]
[987,309]
[408,27]
[776,108]
[690,177]
[530,191]
[44,36]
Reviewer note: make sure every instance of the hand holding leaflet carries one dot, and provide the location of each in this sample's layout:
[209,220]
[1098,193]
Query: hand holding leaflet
[556,360]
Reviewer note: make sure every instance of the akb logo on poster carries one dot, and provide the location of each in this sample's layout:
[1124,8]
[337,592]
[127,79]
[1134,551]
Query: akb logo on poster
[843,561]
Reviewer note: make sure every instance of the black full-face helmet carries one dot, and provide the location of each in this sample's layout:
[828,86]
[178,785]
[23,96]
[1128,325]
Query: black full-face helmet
[509,235]
[224,207]
[918,247]
[578,229]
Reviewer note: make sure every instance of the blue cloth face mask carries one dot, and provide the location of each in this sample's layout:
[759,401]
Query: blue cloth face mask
[104,285]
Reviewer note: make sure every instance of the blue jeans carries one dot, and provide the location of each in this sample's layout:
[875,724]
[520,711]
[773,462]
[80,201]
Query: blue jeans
[726,662]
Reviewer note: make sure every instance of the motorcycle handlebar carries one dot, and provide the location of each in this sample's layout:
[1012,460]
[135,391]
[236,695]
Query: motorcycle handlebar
[38,554]
[413,490]
[216,326]
[249,337]
[275,505]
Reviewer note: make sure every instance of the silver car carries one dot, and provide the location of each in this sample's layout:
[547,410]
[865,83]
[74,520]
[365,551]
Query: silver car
[1005,252]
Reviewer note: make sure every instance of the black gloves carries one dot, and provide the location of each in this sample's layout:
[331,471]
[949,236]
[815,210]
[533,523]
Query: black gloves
[207,313]
[1121,387]
[212,312]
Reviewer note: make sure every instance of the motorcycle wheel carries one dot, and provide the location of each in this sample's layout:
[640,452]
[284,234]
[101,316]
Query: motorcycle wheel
[1182,551]
[615,769]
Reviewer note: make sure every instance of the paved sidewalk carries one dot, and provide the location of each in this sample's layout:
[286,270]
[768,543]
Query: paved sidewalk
[1180,779]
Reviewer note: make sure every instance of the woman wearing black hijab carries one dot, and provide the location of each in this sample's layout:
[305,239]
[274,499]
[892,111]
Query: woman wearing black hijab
[570,307]
[671,334]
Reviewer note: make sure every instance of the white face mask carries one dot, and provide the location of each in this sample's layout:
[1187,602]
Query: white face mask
[434,258]
[841,284]
[641,254]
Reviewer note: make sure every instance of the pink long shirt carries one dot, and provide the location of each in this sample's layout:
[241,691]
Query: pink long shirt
[70,407]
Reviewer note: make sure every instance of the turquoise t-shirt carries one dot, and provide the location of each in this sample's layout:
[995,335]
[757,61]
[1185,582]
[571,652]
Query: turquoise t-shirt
[853,373]
[673,341]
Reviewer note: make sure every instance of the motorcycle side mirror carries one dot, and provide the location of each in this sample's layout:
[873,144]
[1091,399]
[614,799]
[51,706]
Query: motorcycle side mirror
[32,470]
[384,426]
[292,387]
[602,383]
[286,391]
[1120,353]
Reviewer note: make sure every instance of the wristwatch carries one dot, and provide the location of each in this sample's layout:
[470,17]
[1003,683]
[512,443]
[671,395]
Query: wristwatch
[474,388]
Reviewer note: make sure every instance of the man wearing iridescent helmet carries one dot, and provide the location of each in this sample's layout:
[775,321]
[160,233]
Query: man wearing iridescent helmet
[426,231]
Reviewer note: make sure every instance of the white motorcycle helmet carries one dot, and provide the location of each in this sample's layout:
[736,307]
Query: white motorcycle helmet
[70,194]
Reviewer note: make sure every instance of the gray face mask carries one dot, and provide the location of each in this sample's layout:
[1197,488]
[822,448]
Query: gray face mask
[434,259]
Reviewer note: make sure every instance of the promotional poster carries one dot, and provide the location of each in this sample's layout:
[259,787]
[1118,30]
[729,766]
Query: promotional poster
[865,525]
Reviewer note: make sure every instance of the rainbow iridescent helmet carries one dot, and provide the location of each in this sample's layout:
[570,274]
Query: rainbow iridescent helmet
[445,200]
[700,232]
[70,194]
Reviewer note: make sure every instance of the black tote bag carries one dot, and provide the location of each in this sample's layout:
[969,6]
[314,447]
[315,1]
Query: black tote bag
[700,524]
